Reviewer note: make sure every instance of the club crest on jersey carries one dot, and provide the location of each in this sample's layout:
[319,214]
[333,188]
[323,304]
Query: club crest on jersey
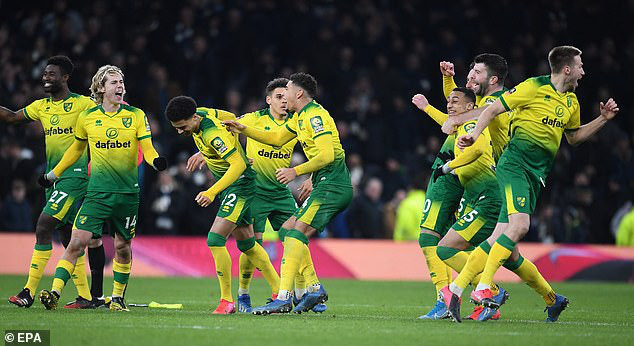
[127,121]
[470,127]
[68,106]
[521,201]
[220,146]
[54,119]
[112,133]
[317,124]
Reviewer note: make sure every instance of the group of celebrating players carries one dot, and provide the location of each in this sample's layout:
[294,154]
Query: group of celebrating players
[486,179]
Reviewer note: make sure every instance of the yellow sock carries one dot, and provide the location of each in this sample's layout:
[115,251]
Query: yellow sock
[62,274]
[41,255]
[121,273]
[300,285]
[474,266]
[438,270]
[258,256]
[307,269]
[528,272]
[293,256]
[223,270]
[246,273]
[499,253]
[80,279]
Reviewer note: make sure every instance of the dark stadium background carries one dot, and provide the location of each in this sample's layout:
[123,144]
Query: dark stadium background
[369,58]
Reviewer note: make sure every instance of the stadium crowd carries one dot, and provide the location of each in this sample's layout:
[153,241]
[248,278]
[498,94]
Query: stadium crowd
[369,58]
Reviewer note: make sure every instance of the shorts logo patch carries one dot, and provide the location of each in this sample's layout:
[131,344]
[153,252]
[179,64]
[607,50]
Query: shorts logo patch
[317,124]
[68,106]
[54,119]
[127,122]
[219,145]
[82,219]
[521,201]
[112,133]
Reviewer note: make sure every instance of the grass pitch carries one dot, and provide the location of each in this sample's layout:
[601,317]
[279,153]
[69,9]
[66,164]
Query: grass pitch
[359,313]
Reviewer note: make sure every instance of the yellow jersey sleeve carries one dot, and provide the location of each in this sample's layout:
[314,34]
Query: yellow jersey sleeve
[519,96]
[80,126]
[31,112]
[220,140]
[448,84]
[575,118]
[224,115]
[142,125]
[247,119]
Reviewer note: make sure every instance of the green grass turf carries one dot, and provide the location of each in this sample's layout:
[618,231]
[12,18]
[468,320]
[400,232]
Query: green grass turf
[359,312]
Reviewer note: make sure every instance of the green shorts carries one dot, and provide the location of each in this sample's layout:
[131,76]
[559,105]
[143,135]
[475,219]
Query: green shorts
[119,210]
[276,206]
[324,203]
[519,187]
[64,198]
[477,224]
[236,202]
[442,200]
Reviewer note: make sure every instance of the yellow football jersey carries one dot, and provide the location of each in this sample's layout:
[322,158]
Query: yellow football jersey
[267,158]
[58,119]
[311,122]
[216,143]
[541,114]
[499,126]
[480,169]
[113,139]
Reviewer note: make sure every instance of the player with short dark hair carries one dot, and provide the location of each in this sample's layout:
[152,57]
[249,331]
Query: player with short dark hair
[545,108]
[57,114]
[315,129]
[235,186]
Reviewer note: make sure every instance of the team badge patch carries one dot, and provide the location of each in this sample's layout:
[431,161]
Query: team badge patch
[470,127]
[127,121]
[219,145]
[317,124]
[521,201]
[68,106]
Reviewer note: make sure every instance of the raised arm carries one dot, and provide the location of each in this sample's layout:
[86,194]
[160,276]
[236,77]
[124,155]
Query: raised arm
[10,117]
[581,134]
[420,101]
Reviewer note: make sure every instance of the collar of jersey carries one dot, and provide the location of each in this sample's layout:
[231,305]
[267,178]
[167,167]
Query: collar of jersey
[308,105]
[108,115]
[70,94]
[268,111]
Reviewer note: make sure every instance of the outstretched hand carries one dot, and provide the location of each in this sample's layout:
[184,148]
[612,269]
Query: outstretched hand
[234,126]
[608,109]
